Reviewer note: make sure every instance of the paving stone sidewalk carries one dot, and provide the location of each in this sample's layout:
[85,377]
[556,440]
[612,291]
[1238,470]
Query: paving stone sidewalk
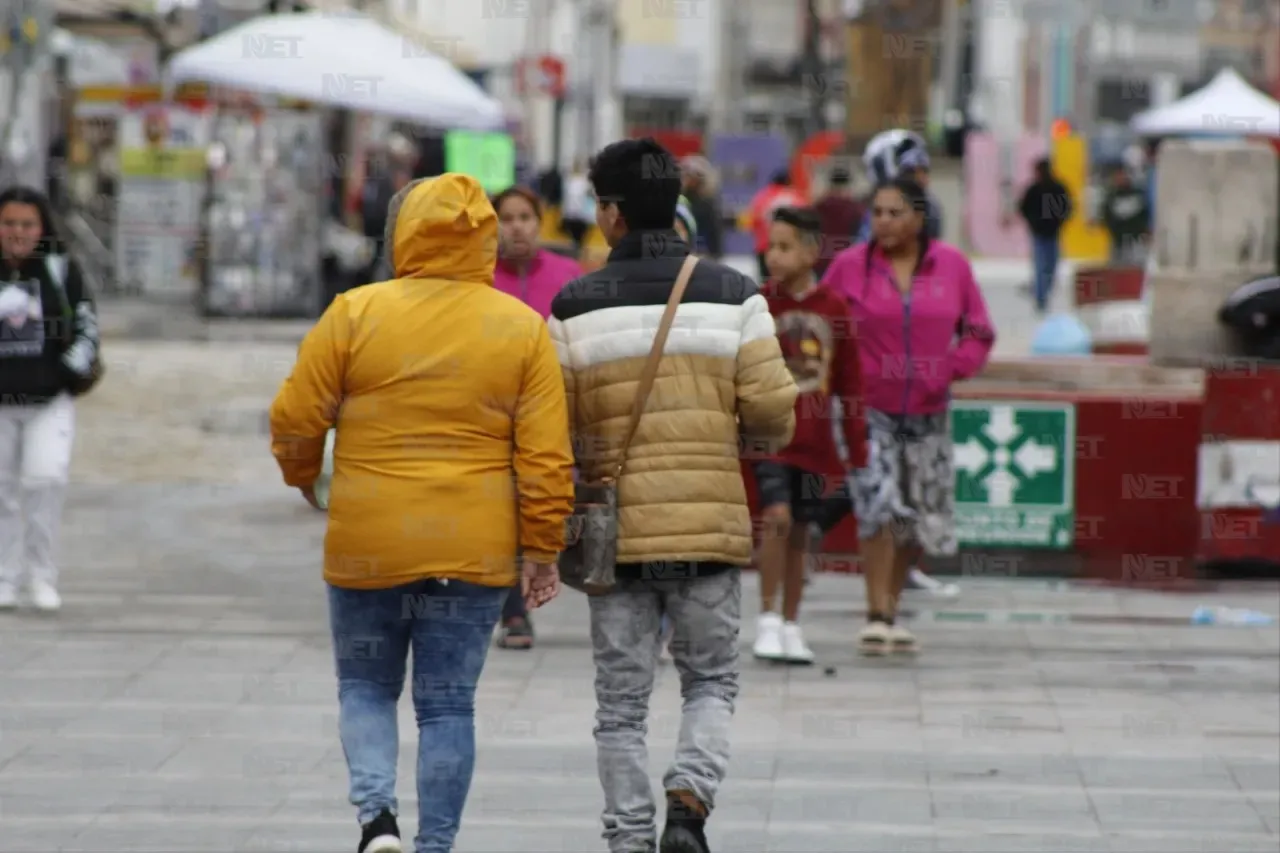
[184,699]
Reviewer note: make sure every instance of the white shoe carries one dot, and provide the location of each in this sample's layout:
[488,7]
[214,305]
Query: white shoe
[873,640]
[902,641]
[919,580]
[768,645]
[8,596]
[45,597]
[794,648]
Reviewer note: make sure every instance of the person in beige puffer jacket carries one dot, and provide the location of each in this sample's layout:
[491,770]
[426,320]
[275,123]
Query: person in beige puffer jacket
[722,391]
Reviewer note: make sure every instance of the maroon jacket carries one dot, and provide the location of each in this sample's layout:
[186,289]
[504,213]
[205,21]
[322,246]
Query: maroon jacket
[841,216]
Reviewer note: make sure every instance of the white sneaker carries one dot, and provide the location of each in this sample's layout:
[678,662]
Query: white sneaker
[873,640]
[8,596]
[768,644]
[45,597]
[919,580]
[794,648]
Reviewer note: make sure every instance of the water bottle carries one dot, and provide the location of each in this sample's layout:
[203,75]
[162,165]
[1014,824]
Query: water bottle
[326,472]
[1230,616]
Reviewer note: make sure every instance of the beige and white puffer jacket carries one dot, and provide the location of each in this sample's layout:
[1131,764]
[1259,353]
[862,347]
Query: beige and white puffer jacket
[722,391]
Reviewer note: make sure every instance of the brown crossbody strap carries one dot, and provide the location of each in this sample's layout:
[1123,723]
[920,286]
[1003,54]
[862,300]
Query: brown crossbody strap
[650,371]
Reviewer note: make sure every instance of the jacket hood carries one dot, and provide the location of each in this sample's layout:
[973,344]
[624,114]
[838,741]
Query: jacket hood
[445,228]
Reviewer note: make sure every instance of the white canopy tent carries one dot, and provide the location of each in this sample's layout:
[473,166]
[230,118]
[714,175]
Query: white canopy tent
[1226,106]
[346,61]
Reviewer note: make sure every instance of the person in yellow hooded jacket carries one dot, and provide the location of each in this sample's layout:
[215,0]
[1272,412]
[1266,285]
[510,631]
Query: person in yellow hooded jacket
[452,458]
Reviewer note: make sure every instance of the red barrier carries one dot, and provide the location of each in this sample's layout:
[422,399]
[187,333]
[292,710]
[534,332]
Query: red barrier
[1100,293]
[1136,519]
[1240,464]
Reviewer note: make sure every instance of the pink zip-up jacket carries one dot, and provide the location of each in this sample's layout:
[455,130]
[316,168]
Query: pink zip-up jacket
[912,348]
[537,285]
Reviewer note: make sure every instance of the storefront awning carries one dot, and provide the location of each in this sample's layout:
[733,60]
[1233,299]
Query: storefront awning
[343,60]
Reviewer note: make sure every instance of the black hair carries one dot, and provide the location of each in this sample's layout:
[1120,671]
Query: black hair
[781,178]
[50,242]
[642,178]
[804,219]
[917,199]
[1043,166]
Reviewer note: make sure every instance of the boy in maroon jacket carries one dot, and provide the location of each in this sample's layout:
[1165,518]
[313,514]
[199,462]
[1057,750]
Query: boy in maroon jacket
[805,485]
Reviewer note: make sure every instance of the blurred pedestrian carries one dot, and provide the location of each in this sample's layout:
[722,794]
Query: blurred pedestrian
[1127,218]
[686,224]
[534,276]
[684,530]
[840,215]
[1045,207]
[48,355]
[388,171]
[901,153]
[805,484]
[579,211]
[922,325]
[452,481]
[700,195]
[777,193]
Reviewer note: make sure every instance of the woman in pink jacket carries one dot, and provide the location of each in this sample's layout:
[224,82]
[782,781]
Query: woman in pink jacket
[922,325]
[534,276]
[525,270]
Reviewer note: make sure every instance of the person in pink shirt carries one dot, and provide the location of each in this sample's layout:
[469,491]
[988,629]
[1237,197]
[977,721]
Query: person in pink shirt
[922,325]
[525,270]
[534,276]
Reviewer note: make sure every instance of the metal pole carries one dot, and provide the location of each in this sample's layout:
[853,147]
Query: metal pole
[21,73]
[584,90]
[950,54]
[814,67]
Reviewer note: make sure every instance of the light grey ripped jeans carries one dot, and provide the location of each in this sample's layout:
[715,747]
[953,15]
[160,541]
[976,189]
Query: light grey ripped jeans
[705,614]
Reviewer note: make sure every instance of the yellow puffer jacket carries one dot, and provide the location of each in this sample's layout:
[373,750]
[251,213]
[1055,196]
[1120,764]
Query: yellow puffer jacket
[452,448]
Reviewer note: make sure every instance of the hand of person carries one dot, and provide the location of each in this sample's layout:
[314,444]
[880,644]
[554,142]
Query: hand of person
[309,494]
[776,518]
[539,583]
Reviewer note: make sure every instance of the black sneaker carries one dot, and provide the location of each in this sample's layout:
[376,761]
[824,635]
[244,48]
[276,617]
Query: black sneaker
[685,831]
[381,835]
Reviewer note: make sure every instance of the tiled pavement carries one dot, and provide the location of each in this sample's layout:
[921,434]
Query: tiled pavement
[184,701]
[184,698]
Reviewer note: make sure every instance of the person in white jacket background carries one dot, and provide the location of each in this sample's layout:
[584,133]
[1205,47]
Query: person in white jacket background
[48,355]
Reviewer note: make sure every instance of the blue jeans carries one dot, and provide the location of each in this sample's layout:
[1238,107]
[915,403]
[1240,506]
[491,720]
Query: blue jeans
[448,624]
[1044,253]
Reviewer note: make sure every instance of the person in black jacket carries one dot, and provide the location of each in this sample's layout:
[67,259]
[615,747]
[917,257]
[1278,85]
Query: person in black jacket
[700,190]
[48,353]
[1045,207]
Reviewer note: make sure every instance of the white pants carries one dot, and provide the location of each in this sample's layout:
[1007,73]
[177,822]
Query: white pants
[35,457]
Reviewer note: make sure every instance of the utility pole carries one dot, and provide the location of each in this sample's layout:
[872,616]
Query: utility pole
[952,32]
[865,79]
[26,27]
[815,70]
[595,80]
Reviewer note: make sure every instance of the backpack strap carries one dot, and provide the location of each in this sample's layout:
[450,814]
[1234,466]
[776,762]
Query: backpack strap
[57,266]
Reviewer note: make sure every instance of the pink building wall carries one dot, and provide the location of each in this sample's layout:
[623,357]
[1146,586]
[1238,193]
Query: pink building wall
[985,199]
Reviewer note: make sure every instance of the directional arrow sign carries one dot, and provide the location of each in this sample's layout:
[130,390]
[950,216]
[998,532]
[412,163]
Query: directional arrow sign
[1000,486]
[971,457]
[1034,458]
[1002,429]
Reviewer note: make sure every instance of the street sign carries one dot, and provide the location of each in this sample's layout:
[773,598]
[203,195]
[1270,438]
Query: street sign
[1014,473]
